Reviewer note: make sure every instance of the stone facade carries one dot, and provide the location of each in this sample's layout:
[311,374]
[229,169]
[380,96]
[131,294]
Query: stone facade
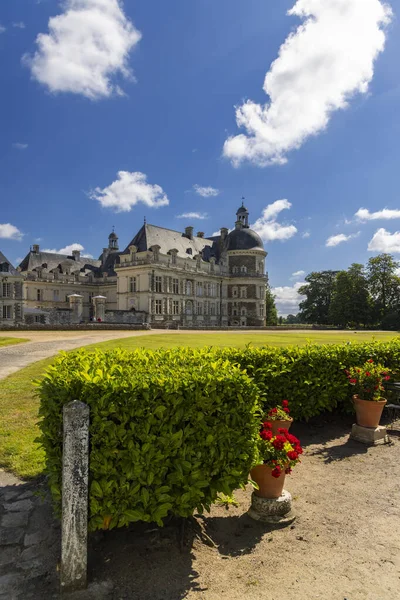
[11,282]
[163,277]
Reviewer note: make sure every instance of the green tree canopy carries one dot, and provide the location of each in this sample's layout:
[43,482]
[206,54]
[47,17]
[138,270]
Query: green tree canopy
[318,293]
[271,314]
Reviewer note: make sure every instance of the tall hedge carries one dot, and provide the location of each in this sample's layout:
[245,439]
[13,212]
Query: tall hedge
[165,436]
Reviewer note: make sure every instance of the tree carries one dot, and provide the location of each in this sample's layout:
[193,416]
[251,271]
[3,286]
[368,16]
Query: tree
[318,293]
[384,285]
[292,319]
[271,314]
[350,304]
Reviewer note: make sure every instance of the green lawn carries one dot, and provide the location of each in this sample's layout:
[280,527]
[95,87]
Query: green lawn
[19,406]
[9,341]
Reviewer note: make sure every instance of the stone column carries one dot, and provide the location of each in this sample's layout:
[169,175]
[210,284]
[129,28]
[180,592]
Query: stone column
[76,304]
[99,305]
[75,475]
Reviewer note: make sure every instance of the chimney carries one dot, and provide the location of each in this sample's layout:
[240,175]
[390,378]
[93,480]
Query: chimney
[35,248]
[189,232]
[200,234]
[238,224]
[224,233]
[76,254]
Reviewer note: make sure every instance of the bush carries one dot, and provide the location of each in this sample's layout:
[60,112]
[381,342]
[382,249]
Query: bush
[166,435]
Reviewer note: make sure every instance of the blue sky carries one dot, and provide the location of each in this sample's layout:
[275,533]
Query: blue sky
[120,111]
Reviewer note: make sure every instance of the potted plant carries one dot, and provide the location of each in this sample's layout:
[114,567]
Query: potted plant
[280,453]
[367,383]
[279,417]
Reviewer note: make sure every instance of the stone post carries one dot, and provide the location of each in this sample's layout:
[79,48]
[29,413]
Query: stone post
[76,304]
[99,306]
[75,475]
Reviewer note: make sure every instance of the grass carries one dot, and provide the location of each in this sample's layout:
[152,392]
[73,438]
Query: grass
[19,406]
[9,341]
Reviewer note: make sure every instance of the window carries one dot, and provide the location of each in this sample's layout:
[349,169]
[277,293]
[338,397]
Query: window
[175,307]
[234,312]
[188,288]
[7,290]
[158,285]
[243,269]
[175,286]
[132,284]
[199,288]
[213,289]
[189,251]
[234,292]
[261,310]
[7,312]
[243,292]
[173,258]
[234,270]
[261,267]
[262,292]
[243,312]
[199,308]
[189,307]
[212,308]
[56,295]
[158,307]
[4,267]
[39,295]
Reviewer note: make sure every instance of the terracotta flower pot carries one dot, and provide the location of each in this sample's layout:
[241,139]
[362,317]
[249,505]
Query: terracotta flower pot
[269,487]
[284,424]
[368,412]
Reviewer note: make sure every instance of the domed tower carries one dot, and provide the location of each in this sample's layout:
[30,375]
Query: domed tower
[113,242]
[247,279]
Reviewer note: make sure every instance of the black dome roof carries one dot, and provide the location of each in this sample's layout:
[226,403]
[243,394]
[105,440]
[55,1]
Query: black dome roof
[242,209]
[113,236]
[243,239]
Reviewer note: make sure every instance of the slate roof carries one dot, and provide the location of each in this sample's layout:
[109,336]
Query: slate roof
[11,270]
[168,239]
[52,259]
[243,239]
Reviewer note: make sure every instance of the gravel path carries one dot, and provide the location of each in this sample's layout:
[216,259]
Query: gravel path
[13,358]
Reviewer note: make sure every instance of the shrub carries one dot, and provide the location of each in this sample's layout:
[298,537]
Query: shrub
[166,435]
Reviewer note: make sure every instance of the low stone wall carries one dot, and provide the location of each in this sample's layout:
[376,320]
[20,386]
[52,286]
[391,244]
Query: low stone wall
[125,316]
[79,327]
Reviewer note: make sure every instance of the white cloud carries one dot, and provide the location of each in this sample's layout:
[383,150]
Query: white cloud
[87,45]
[128,190]
[335,240]
[384,241]
[206,192]
[306,234]
[10,232]
[68,250]
[2,29]
[192,215]
[20,146]
[268,228]
[363,214]
[287,298]
[19,25]
[297,275]
[320,67]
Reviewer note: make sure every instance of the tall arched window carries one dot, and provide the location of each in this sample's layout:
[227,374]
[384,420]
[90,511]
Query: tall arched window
[188,288]
[189,307]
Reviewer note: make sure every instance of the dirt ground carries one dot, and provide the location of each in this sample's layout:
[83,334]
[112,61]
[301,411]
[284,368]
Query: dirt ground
[344,544]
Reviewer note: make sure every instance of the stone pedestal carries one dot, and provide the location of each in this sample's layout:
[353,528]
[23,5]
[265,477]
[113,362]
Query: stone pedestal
[99,306]
[369,435]
[275,511]
[76,305]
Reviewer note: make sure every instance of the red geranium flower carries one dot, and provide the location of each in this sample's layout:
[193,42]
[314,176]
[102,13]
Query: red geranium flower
[276,472]
[353,380]
[266,435]
[367,374]
[285,403]
[370,360]
[288,470]
[292,439]
[267,425]
[279,442]
[282,430]
[293,455]
[273,411]
[286,410]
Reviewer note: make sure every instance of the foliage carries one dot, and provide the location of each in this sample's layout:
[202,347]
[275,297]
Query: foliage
[384,284]
[367,380]
[318,293]
[271,314]
[227,501]
[280,452]
[10,341]
[279,413]
[350,303]
[167,434]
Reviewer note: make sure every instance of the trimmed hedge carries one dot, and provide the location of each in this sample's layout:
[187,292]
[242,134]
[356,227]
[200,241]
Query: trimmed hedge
[165,438]
[170,429]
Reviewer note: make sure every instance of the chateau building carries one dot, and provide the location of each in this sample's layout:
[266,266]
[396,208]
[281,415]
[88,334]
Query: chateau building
[10,292]
[163,277]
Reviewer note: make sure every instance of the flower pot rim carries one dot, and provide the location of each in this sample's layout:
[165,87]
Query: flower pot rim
[378,401]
